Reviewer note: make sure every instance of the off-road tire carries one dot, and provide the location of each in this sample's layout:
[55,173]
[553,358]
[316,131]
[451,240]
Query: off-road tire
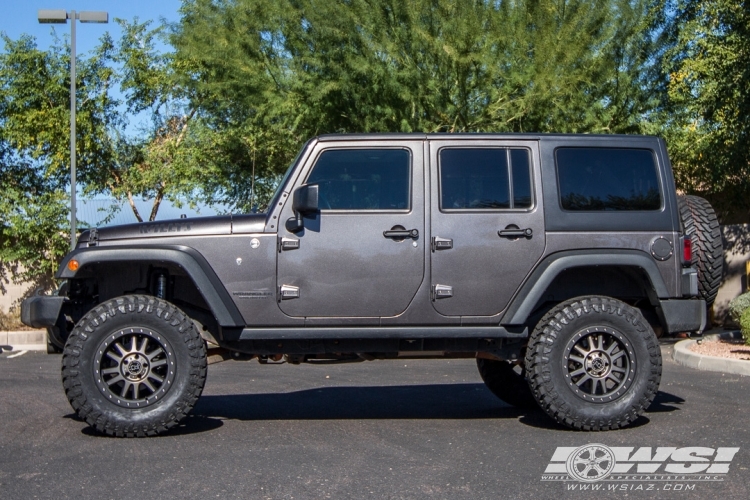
[127,318]
[549,359]
[507,381]
[702,227]
[52,347]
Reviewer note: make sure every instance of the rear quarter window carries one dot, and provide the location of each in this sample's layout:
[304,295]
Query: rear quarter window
[602,179]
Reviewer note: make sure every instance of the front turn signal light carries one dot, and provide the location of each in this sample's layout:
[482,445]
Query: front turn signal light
[73,265]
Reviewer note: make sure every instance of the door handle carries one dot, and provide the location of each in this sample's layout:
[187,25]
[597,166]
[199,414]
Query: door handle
[516,233]
[402,233]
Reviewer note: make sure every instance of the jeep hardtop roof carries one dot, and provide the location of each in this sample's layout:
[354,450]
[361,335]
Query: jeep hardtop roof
[474,135]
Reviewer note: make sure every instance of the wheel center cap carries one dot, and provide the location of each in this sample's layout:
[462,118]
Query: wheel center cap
[597,364]
[134,367]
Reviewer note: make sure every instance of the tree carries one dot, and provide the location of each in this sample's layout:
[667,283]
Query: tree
[171,157]
[163,159]
[33,235]
[34,142]
[709,98]
[297,68]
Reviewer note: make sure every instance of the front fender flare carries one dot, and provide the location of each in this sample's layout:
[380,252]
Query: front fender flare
[189,259]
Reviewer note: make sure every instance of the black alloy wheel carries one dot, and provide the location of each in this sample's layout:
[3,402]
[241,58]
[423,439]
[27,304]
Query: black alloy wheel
[593,363]
[134,366]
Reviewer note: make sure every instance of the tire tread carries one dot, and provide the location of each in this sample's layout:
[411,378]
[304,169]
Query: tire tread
[702,226]
[98,317]
[546,334]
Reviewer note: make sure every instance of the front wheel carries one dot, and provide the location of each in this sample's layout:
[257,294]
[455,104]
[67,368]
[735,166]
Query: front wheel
[593,363]
[134,366]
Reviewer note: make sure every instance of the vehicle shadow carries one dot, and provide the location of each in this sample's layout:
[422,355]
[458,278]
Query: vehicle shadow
[662,403]
[665,402]
[421,402]
[435,401]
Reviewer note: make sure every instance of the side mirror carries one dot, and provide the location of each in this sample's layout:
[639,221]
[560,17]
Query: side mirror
[305,202]
[306,199]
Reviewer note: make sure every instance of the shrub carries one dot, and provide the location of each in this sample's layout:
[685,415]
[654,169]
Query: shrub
[738,306]
[10,320]
[745,325]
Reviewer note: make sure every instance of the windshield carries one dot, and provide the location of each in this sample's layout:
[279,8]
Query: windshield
[282,183]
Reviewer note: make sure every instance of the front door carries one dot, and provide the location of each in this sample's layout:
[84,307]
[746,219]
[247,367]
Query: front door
[487,223]
[363,254]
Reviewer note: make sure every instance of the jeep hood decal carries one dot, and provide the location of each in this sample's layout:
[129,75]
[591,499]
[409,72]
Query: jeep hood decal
[198,226]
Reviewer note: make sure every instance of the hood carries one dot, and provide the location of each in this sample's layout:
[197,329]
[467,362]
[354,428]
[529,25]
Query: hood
[197,226]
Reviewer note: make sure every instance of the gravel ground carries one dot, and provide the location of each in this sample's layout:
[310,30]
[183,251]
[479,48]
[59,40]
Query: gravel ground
[735,349]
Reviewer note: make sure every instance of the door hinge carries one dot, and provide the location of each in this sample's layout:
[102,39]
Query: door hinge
[441,292]
[288,244]
[287,292]
[439,243]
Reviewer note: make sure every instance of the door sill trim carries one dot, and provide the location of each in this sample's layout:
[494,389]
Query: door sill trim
[414,332]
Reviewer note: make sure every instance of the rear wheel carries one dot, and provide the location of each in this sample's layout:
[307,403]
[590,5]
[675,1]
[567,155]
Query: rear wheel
[507,381]
[702,227]
[134,366]
[593,363]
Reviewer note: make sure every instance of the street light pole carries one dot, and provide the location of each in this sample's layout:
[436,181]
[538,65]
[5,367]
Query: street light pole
[73,184]
[61,17]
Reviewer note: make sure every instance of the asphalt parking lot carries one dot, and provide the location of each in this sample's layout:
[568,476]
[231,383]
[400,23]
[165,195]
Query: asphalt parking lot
[382,429]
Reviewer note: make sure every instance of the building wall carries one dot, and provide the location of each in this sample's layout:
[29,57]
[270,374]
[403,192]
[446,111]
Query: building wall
[14,292]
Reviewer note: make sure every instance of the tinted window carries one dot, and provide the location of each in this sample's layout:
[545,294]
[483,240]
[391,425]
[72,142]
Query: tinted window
[481,178]
[362,179]
[607,179]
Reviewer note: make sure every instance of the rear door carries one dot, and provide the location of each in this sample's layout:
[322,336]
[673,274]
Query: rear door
[487,223]
[352,260]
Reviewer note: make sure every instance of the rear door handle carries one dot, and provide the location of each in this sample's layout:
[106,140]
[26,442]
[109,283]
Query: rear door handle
[402,233]
[515,233]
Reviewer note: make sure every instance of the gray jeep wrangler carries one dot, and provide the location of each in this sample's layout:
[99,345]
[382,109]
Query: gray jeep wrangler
[554,260]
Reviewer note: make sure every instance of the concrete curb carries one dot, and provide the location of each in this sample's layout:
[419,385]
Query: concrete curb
[684,356]
[28,340]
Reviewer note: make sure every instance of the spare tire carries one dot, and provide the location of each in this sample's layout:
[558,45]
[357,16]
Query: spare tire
[702,227]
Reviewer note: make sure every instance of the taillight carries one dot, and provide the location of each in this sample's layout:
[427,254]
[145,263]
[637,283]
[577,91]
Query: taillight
[687,250]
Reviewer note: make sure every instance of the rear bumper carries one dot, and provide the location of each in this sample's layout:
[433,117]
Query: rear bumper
[41,311]
[683,315]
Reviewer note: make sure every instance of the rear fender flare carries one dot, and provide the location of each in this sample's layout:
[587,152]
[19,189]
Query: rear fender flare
[545,273]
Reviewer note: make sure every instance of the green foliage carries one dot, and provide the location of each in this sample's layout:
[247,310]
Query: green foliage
[738,306]
[424,65]
[35,106]
[33,226]
[745,325]
[708,129]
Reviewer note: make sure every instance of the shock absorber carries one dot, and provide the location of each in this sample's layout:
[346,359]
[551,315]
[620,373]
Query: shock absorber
[161,284]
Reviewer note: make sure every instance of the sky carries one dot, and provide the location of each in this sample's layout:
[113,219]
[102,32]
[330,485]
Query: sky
[20,16]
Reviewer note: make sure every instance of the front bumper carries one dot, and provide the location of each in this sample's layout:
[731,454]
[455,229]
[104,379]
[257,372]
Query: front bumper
[683,315]
[41,311]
